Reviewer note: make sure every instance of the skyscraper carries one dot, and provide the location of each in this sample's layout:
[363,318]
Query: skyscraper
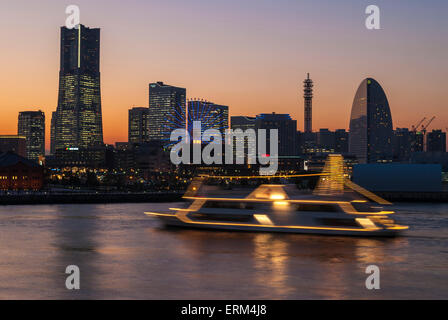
[287,132]
[370,138]
[308,107]
[53,133]
[31,125]
[167,112]
[138,125]
[78,120]
[243,123]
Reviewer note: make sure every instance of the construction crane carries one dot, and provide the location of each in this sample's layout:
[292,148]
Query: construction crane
[424,127]
[414,128]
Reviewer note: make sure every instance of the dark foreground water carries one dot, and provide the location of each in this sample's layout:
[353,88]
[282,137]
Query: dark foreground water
[122,254]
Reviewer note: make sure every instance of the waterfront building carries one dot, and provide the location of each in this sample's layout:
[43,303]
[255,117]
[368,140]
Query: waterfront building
[13,143]
[31,125]
[138,125]
[436,141]
[370,138]
[99,157]
[431,158]
[167,112]
[78,119]
[19,173]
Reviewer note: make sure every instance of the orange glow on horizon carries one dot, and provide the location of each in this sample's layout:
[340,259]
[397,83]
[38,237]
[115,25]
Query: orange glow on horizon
[254,59]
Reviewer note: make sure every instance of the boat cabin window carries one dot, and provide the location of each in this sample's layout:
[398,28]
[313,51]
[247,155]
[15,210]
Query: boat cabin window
[365,207]
[330,222]
[222,218]
[317,207]
[228,205]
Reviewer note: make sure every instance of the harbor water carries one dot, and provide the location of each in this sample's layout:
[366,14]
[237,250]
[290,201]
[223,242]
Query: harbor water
[124,254]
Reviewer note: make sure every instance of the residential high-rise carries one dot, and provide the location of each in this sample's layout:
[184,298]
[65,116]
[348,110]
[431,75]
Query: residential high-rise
[53,133]
[138,125]
[308,107]
[166,111]
[436,141]
[31,125]
[78,121]
[370,138]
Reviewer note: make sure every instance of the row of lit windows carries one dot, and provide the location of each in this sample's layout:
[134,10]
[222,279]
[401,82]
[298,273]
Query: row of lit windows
[16,178]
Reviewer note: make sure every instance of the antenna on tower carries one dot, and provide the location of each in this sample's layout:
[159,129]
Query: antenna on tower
[308,96]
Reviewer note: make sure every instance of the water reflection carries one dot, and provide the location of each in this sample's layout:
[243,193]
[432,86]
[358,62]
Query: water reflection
[75,233]
[123,254]
[270,257]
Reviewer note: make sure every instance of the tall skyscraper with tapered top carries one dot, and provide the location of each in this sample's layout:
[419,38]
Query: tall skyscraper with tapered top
[78,120]
[370,138]
[308,98]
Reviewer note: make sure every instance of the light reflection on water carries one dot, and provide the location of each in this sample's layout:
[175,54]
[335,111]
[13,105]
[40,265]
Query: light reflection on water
[124,254]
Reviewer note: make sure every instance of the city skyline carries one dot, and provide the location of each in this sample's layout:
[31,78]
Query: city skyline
[253,70]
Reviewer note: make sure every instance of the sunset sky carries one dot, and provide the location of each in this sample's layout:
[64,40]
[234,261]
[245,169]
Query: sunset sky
[251,55]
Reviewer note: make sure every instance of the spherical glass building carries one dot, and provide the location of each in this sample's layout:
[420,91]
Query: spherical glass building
[370,138]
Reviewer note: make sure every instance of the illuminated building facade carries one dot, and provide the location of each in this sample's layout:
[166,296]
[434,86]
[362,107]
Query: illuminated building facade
[211,116]
[166,111]
[19,173]
[78,121]
[370,138]
[52,132]
[31,125]
[138,125]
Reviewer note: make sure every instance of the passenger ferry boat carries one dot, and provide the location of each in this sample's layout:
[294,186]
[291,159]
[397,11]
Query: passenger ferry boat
[330,210]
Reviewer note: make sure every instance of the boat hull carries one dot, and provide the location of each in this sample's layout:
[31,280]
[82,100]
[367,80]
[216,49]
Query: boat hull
[175,222]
